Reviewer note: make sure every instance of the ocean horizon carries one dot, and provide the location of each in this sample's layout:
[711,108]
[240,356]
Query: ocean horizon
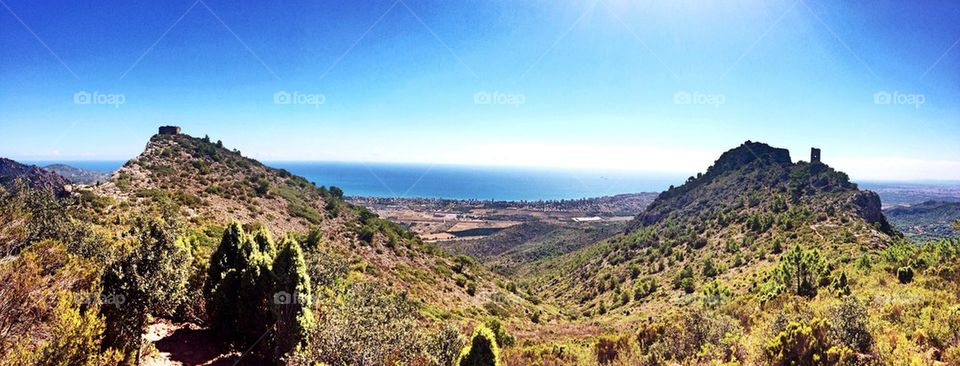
[407,180]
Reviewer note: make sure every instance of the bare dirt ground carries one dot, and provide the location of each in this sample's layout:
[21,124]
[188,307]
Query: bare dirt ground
[187,344]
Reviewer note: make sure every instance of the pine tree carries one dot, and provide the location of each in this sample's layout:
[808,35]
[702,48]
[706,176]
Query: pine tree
[292,297]
[256,289]
[482,350]
[840,286]
[222,288]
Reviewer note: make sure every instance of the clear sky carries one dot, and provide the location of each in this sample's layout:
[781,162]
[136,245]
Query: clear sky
[609,84]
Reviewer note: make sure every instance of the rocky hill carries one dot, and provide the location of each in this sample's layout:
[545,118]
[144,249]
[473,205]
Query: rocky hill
[76,175]
[12,171]
[209,186]
[515,249]
[929,220]
[730,223]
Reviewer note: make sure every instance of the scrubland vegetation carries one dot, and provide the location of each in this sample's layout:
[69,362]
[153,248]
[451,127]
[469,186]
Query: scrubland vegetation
[758,261]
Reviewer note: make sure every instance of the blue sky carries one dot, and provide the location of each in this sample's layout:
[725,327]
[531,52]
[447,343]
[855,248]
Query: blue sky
[611,84]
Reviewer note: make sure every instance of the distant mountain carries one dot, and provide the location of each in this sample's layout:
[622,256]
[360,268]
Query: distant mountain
[77,175]
[12,171]
[512,250]
[929,220]
[752,200]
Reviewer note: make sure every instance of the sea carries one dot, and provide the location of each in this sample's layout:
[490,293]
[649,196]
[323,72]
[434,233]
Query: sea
[455,182]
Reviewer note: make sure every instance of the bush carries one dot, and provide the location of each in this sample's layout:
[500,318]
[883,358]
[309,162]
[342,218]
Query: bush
[364,324]
[503,338]
[709,269]
[152,280]
[840,285]
[292,298]
[905,274]
[692,333]
[804,344]
[75,339]
[644,288]
[684,280]
[799,271]
[252,290]
[445,345]
[715,294]
[608,349]
[482,351]
[687,285]
[848,325]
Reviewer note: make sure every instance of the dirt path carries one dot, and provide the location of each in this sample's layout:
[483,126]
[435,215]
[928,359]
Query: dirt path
[186,344]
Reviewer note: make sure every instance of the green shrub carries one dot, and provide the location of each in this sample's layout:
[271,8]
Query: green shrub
[799,271]
[152,280]
[715,294]
[905,274]
[644,288]
[709,269]
[482,350]
[804,344]
[292,299]
[252,290]
[684,279]
[503,338]
[608,349]
[445,345]
[848,325]
[364,324]
[840,285]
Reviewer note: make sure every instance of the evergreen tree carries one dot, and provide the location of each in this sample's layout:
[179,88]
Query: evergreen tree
[482,350]
[151,279]
[256,290]
[222,288]
[292,298]
[239,287]
[840,285]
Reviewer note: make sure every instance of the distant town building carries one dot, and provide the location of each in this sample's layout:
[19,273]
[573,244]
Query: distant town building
[169,130]
[587,219]
[814,155]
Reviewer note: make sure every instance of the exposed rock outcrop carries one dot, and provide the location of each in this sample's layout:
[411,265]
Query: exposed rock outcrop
[33,176]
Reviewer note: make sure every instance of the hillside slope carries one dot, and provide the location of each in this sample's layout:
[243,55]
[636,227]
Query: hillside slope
[35,177]
[210,186]
[735,219]
[77,175]
[929,220]
[516,250]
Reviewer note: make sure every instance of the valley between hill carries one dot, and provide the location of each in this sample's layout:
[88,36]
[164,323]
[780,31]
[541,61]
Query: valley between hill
[758,260]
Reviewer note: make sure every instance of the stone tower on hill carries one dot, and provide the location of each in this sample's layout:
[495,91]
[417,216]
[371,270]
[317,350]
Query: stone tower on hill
[814,155]
[169,130]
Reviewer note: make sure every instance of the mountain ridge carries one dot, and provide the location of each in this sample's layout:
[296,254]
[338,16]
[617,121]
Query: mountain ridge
[751,200]
[211,186]
[32,175]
